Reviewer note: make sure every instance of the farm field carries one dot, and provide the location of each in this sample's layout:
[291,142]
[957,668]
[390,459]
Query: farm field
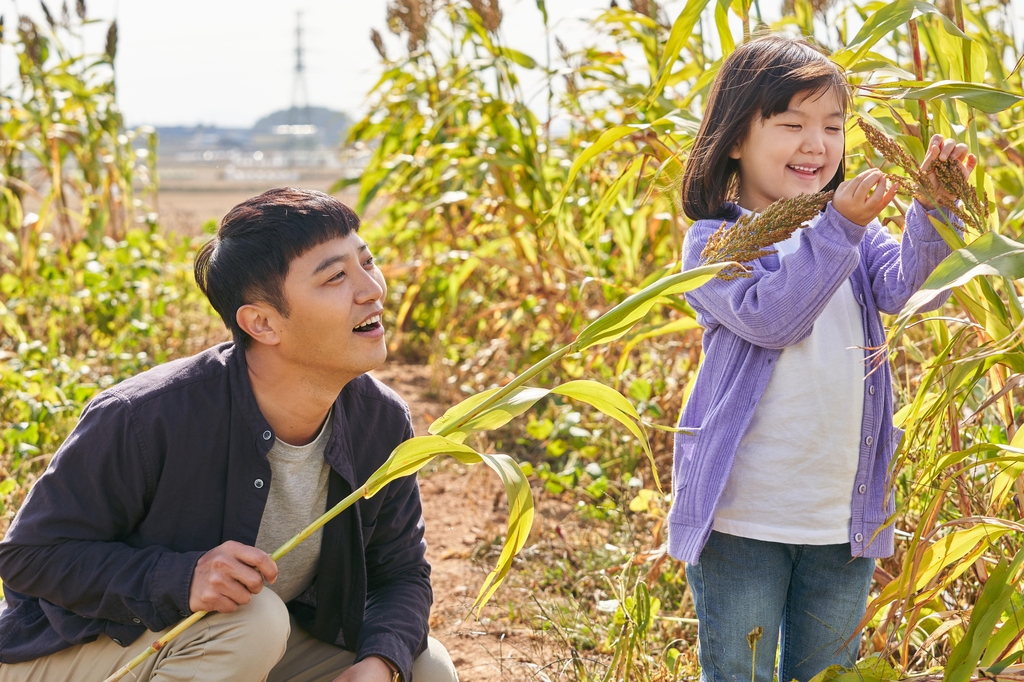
[537,315]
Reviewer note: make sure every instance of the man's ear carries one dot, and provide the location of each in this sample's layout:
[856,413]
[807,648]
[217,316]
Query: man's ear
[259,320]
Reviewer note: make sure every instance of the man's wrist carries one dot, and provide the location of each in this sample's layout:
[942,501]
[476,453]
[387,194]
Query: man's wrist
[396,674]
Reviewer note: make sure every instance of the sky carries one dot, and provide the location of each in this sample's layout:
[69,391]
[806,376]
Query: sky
[230,62]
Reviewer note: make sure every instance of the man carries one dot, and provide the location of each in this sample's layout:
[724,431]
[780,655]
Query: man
[175,486]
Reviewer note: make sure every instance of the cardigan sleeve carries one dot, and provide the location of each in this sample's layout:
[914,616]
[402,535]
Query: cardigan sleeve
[897,269]
[777,308]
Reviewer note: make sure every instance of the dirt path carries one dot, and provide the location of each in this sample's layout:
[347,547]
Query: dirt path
[465,510]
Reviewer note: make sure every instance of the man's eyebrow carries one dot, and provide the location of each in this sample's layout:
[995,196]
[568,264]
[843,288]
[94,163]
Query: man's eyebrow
[336,258]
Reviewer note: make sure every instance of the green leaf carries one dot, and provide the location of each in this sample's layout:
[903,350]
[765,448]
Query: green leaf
[7,486]
[494,416]
[523,60]
[612,403]
[622,317]
[884,22]
[608,138]
[987,610]
[989,254]
[520,521]
[415,453]
[682,29]
[987,98]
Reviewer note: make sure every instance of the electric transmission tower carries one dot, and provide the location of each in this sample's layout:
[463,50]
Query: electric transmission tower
[299,114]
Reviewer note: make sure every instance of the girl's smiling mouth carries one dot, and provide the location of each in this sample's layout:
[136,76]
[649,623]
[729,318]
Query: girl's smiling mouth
[806,172]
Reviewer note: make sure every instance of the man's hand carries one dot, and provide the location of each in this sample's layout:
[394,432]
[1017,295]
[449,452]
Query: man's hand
[861,200]
[370,669]
[228,575]
[944,148]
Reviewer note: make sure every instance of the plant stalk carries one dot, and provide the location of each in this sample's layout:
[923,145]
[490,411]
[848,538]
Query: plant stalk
[278,553]
[915,50]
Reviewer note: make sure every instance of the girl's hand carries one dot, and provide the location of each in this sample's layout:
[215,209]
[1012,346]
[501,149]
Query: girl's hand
[861,200]
[944,148]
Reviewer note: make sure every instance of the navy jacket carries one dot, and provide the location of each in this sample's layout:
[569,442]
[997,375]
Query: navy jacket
[171,463]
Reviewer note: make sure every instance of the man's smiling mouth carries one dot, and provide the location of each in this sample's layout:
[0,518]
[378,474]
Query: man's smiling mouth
[369,325]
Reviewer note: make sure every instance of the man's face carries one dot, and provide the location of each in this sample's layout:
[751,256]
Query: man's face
[335,294]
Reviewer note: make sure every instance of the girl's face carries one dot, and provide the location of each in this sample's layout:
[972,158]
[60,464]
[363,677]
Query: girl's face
[792,153]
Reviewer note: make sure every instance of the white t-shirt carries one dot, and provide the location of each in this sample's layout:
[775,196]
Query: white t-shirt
[792,480]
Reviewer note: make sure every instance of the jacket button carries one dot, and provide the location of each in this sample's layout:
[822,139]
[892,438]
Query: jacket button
[182,614]
[117,641]
[258,483]
[869,440]
[871,390]
[136,621]
[858,538]
[267,435]
[862,488]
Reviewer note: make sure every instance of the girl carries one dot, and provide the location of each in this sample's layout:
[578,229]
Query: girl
[780,482]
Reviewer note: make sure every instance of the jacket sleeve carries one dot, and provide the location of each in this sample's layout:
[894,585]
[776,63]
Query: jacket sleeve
[897,269]
[398,593]
[776,309]
[69,543]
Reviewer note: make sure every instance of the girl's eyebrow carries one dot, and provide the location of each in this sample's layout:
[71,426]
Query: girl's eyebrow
[801,114]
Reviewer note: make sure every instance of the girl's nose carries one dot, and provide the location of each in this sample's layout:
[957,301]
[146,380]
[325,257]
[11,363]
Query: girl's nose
[813,142]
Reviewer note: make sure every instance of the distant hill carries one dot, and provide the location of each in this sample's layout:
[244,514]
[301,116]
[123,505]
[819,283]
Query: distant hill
[331,125]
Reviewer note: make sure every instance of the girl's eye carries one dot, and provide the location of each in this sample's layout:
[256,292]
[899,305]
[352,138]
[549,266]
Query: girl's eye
[793,126]
[835,130]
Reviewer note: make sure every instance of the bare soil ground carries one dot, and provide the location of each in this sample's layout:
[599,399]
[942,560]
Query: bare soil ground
[465,511]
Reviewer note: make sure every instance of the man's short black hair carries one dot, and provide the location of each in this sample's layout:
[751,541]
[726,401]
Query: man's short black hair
[247,260]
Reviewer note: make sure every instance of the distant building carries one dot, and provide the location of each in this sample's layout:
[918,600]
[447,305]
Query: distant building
[284,147]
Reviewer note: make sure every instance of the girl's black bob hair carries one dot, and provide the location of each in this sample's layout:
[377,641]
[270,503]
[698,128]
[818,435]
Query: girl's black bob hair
[757,81]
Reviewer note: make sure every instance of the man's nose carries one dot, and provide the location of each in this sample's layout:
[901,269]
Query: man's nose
[371,286]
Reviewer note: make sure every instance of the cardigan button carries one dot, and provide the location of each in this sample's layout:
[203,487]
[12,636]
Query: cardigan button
[869,440]
[258,483]
[858,538]
[267,435]
[871,390]
[862,488]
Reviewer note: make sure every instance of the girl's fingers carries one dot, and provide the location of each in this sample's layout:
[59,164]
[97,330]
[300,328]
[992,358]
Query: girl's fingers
[969,165]
[959,152]
[948,145]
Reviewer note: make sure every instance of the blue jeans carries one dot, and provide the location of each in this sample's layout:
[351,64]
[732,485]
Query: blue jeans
[816,595]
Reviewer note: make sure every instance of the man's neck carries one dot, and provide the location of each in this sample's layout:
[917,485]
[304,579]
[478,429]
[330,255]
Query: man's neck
[294,404]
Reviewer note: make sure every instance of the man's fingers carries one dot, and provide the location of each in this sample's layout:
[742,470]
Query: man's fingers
[257,559]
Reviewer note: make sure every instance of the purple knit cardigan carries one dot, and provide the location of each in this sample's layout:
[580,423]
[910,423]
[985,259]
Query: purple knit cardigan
[748,321]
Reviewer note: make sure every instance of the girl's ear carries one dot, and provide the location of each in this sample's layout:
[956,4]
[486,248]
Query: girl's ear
[734,151]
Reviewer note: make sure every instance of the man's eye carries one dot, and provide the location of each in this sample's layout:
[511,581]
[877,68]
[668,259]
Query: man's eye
[337,276]
[369,261]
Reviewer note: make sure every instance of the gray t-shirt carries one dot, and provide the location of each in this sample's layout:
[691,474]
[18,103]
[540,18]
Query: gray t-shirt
[297,497]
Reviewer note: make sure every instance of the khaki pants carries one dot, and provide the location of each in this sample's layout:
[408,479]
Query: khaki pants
[258,642]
